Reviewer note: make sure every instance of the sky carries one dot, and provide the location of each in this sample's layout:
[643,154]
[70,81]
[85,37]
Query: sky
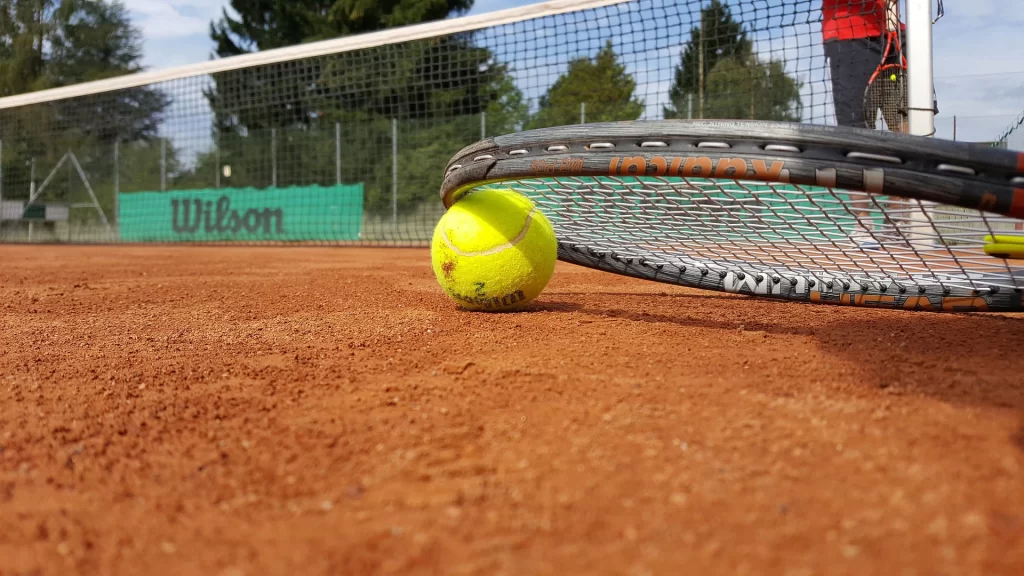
[978,55]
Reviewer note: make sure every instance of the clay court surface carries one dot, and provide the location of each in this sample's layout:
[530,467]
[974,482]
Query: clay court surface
[231,411]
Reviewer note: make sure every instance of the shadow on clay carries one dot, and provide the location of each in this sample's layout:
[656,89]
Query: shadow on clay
[967,358]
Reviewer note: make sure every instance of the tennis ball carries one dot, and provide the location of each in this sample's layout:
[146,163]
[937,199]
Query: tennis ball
[493,250]
[892,77]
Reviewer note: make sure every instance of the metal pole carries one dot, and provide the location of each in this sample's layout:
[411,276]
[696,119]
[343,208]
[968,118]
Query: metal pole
[273,157]
[483,125]
[337,153]
[921,118]
[163,165]
[217,167]
[920,87]
[700,66]
[394,170]
[954,128]
[583,112]
[32,192]
[117,186]
[689,106]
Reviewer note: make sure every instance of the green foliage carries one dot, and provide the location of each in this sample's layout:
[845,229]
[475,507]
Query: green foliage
[745,87]
[25,27]
[735,82]
[47,44]
[602,84]
[267,24]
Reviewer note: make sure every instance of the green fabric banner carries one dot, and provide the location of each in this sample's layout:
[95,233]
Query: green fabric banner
[242,214]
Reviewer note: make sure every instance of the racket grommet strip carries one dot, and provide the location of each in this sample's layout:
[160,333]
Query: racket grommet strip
[956,169]
[483,157]
[876,157]
[600,146]
[653,144]
[557,148]
[519,152]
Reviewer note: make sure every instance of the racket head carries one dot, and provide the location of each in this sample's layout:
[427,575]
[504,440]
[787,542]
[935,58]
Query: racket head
[769,208]
[887,89]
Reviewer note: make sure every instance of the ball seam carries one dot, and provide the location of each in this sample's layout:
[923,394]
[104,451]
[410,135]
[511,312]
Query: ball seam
[511,243]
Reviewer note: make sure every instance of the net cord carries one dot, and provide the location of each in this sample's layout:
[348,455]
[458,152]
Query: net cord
[313,49]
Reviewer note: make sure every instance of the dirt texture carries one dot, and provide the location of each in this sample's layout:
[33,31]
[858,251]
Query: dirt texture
[236,411]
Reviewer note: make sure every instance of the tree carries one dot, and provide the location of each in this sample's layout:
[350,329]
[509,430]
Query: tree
[93,40]
[267,24]
[744,87]
[602,84]
[719,46]
[24,27]
[52,43]
[717,36]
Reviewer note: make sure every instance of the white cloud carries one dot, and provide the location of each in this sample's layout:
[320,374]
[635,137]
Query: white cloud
[978,62]
[174,32]
[172,18]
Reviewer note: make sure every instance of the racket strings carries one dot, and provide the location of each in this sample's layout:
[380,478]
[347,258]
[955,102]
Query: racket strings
[746,227]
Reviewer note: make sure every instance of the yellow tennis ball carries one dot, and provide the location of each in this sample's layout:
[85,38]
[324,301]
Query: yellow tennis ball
[493,250]
[892,77]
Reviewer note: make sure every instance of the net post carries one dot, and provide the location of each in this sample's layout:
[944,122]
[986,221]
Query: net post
[919,68]
[337,153]
[583,112]
[394,170]
[921,115]
[273,157]
[483,124]
[689,106]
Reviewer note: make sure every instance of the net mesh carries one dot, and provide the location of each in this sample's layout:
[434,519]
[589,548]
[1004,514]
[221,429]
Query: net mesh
[350,146]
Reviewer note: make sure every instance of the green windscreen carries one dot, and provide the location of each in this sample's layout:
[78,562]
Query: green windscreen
[295,213]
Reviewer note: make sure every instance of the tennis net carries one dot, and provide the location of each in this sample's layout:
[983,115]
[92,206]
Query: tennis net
[345,140]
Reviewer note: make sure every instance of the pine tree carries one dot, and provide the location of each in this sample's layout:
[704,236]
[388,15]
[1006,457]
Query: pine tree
[720,76]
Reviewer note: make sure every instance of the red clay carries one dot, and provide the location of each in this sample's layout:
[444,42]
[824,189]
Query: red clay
[176,410]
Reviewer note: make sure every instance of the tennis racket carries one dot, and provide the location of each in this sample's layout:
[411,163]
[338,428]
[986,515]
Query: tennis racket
[767,208]
[887,86]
